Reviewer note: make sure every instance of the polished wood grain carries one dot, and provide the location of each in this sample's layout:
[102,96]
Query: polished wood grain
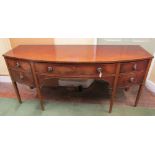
[122,66]
[23,77]
[13,82]
[134,66]
[127,80]
[79,53]
[37,87]
[74,70]
[142,84]
[114,88]
[19,65]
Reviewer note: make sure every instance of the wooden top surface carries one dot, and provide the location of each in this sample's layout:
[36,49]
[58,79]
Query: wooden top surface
[79,53]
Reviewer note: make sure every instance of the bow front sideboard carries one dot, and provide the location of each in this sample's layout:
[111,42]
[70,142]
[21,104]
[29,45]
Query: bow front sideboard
[122,66]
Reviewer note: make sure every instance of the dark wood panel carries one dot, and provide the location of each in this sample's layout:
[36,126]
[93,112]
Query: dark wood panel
[23,77]
[126,80]
[134,66]
[17,64]
[83,70]
[79,53]
[38,65]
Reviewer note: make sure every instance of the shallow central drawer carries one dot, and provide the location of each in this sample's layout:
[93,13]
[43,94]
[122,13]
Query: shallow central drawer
[75,69]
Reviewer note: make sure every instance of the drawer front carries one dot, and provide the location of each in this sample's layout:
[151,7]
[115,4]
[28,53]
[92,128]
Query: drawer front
[22,77]
[79,70]
[133,66]
[130,79]
[20,65]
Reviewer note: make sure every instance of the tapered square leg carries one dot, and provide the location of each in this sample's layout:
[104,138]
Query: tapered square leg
[111,104]
[17,91]
[114,88]
[138,94]
[40,98]
[37,87]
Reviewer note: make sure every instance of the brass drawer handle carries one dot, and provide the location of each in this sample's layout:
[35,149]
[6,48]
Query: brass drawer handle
[135,67]
[132,80]
[50,69]
[17,64]
[100,70]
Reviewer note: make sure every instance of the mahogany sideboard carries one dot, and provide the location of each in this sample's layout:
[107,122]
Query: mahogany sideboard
[121,66]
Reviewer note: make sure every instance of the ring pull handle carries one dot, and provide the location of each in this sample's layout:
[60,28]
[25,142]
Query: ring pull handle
[50,69]
[135,67]
[99,70]
[132,79]
[17,64]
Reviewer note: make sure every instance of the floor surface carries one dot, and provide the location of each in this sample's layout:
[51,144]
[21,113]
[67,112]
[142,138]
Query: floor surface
[93,101]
